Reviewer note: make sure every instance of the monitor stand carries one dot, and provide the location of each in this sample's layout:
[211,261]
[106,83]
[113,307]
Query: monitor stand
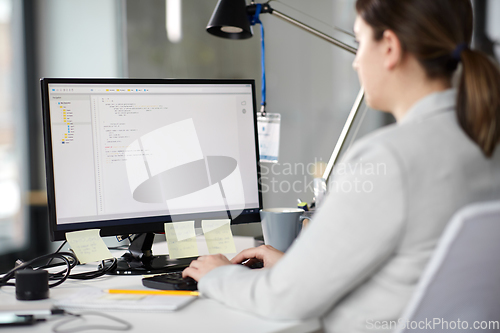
[139,259]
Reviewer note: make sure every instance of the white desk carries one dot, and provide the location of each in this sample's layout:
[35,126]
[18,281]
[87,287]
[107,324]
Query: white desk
[203,315]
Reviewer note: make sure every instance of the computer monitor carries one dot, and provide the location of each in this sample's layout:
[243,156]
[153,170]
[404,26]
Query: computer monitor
[127,155]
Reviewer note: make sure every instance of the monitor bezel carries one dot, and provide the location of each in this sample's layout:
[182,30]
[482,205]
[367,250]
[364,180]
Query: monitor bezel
[131,225]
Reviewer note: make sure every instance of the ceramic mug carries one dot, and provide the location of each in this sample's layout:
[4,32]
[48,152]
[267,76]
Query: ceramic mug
[281,226]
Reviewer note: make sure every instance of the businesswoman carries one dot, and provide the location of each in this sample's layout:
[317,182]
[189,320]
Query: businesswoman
[359,260]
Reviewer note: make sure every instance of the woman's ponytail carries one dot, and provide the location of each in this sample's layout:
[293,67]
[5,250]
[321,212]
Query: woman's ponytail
[478,103]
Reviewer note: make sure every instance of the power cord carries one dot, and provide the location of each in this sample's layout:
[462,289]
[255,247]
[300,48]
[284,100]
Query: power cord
[57,251]
[69,259]
[74,317]
[102,270]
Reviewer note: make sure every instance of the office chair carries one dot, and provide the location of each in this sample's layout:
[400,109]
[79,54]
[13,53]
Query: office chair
[462,279]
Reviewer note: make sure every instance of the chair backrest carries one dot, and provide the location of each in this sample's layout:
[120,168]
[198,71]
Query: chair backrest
[460,288]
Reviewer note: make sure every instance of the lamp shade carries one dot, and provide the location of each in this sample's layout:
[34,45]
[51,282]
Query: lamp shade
[230,20]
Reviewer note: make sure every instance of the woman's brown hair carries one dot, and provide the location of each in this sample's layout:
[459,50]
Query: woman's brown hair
[438,33]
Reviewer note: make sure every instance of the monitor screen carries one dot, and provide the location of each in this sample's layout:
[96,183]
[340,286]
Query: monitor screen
[128,155]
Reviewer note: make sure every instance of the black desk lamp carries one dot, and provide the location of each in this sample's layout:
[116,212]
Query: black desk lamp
[230,19]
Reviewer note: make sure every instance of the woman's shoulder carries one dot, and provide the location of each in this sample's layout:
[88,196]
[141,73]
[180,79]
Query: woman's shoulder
[422,144]
[417,137]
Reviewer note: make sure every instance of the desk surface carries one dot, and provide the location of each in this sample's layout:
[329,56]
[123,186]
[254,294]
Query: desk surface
[203,315]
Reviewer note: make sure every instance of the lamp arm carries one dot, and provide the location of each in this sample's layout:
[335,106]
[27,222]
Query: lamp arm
[343,135]
[313,31]
[266,8]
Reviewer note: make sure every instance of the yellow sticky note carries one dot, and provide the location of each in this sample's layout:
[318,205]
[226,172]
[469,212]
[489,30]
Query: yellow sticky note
[88,245]
[181,239]
[218,236]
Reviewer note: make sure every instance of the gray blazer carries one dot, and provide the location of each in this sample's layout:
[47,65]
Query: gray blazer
[358,262]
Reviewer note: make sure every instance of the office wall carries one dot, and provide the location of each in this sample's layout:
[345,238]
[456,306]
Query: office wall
[77,39]
[80,38]
[74,39]
[13,147]
[313,85]
[196,55]
[309,82]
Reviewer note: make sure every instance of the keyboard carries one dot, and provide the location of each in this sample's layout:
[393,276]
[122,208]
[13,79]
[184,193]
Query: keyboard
[175,281]
[170,281]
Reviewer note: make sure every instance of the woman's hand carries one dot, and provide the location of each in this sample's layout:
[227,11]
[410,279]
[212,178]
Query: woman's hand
[204,264]
[264,253]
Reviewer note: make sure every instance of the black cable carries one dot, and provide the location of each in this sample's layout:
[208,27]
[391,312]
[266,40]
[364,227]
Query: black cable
[70,260]
[102,270]
[57,251]
[120,247]
[56,328]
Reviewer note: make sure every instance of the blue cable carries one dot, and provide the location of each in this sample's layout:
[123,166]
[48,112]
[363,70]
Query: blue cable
[254,20]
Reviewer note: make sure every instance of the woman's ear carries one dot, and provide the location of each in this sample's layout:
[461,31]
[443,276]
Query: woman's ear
[393,51]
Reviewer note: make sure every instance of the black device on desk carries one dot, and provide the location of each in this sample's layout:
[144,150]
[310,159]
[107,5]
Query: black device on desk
[170,281]
[10,319]
[127,155]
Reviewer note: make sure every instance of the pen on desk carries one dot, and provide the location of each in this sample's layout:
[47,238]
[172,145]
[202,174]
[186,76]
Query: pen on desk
[154,292]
